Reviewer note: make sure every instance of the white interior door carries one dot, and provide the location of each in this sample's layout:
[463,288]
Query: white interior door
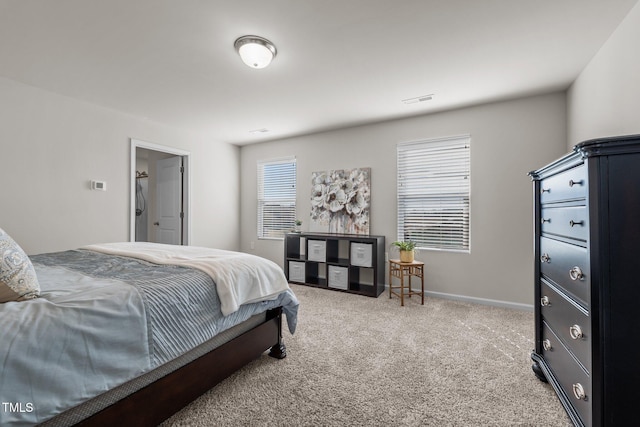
[169,201]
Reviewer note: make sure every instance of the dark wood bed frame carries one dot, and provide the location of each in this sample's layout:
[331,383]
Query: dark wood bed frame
[161,399]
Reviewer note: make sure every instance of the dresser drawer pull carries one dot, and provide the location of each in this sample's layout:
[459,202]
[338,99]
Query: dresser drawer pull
[545,190]
[545,220]
[578,392]
[572,223]
[544,301]
[572,183]
[546,344]
[576,332]
[576,274]
[545,258]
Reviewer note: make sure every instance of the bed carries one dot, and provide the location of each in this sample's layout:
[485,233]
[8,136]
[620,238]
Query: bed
[130,333]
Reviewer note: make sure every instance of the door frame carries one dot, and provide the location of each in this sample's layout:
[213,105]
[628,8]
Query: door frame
[186,185]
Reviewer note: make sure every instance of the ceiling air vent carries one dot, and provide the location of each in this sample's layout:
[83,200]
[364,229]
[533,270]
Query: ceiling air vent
[418,99]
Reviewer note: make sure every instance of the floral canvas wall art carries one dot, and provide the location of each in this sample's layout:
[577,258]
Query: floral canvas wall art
[340,201]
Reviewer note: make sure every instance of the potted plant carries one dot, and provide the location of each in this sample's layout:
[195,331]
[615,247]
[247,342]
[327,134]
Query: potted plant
[407,250]
[298,225]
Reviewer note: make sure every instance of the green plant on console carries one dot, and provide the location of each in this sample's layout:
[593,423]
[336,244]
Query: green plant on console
[407,250]
[405,245]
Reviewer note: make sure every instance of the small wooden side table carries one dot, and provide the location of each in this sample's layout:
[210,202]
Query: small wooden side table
[403,270]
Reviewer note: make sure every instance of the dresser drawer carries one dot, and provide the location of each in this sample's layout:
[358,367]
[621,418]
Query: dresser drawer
[571,325]
[567,185]
[568,221]
[568,266]
[574,381]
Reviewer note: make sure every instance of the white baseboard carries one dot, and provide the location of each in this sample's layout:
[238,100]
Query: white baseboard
[475,300]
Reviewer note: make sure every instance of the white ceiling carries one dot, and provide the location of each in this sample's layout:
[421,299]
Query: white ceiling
[339,62]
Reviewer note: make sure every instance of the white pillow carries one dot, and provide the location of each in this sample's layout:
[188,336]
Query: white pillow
[18,281]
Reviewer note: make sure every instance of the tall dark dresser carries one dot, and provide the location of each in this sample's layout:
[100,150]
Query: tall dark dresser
[587,280]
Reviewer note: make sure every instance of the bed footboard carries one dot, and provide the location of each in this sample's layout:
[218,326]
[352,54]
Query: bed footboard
[279,350]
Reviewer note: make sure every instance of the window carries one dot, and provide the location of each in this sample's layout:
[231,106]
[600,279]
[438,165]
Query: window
[433,193]
[276,197]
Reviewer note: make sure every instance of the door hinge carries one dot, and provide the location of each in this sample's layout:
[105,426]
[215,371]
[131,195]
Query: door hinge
[181,169]
[181,215]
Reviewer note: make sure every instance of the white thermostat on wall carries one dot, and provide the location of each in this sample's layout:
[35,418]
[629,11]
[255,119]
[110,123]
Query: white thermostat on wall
[99,185]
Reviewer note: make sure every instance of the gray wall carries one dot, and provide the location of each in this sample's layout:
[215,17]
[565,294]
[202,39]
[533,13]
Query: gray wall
[605,98]
[508,139]
[52,146]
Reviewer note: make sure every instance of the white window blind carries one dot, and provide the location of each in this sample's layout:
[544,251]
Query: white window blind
[433,193]
[276,197]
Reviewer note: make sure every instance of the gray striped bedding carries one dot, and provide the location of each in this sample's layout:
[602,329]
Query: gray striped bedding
[102,320]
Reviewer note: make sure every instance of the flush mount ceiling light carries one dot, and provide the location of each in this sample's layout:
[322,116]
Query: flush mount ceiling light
[256,52]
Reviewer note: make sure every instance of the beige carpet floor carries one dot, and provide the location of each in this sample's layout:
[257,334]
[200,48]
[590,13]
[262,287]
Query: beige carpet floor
[360,361]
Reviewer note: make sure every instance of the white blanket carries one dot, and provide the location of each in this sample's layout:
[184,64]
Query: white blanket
[240,278]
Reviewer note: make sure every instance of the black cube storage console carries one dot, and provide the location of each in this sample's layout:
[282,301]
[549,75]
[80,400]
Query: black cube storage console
[346,262]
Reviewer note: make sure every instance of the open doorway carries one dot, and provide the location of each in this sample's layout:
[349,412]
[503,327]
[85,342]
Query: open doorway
[159,194]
